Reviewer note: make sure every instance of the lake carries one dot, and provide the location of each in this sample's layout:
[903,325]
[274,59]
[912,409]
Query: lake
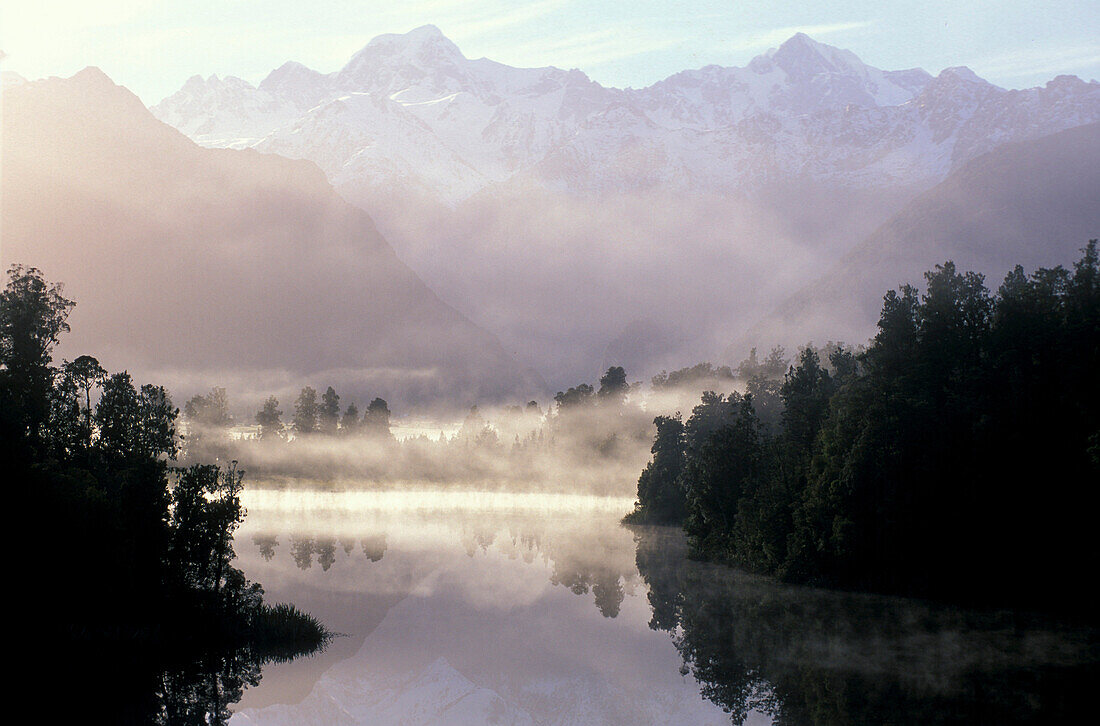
[477,608]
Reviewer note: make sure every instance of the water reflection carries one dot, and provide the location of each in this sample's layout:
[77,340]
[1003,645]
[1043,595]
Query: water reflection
[521,610]
[489,610]
[808,656]
[174,683]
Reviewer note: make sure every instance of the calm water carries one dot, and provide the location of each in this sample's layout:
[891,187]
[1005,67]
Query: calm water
[527,609]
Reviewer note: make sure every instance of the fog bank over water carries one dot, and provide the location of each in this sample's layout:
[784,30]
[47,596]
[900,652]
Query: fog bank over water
[590,444]
[477,609]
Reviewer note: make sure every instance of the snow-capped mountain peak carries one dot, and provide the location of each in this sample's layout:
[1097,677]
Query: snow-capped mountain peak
[423,55]
[802,56]
[410,111]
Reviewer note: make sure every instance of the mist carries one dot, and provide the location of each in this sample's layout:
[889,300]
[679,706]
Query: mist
[434,390]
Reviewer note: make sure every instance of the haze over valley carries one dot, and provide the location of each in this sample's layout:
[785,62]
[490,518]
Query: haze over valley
[745,374]
[697,201]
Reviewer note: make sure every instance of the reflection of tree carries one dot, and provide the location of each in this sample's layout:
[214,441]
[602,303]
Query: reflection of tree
[185,682]
[301,549]
[481,538]
[374,547]
[201,692]
[811,656]
[581,558]
[609,593]
[267,545]
[326,552]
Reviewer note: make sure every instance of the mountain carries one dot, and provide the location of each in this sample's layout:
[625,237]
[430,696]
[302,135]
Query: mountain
[197,267]
[410,111]
[568,218]
[1035,203]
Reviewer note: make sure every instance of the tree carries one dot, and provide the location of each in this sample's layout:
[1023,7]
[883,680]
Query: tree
[727,467]
[270,420]
[67,432]
[132,425]
[85,373]
[805,393]
[613,386]
[305,412]
[350,423]
[660,494]
[575,397]
[376,420]
[205,511]
[329,415]
[210,411]
[158,422]
[763,381]
[32,318]
[696,376]
[118,417]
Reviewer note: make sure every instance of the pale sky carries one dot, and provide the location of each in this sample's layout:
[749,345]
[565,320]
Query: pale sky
[153,46]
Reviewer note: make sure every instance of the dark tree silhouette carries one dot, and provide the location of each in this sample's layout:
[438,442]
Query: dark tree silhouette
[305,412]
[270,420]
[913,466]
[613,386]
[33,316]
[328,417]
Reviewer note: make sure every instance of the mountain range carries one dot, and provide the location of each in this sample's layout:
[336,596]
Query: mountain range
[580,226]
[589,226]
[411,111]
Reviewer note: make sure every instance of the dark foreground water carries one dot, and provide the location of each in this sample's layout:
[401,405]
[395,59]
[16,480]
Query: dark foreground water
[527,609]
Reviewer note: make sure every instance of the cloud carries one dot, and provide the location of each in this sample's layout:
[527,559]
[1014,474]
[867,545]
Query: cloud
[1041,61]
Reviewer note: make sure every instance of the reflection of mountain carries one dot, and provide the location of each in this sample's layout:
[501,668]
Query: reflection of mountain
[227,266]
[820,657]
[492,614]
[488,640]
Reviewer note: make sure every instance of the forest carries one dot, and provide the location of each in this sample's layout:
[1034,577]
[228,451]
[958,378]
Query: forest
[952,458]
[135,572]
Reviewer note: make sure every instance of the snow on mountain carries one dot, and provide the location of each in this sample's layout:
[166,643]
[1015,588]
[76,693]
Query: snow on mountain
[411,112]
[225,112]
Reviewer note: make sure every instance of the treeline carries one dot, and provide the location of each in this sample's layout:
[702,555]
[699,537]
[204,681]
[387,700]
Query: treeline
[955,457]
[209,415]
[130,551]
[588,439]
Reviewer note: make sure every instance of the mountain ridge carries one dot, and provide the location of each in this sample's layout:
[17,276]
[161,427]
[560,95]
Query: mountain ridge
[803,109]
